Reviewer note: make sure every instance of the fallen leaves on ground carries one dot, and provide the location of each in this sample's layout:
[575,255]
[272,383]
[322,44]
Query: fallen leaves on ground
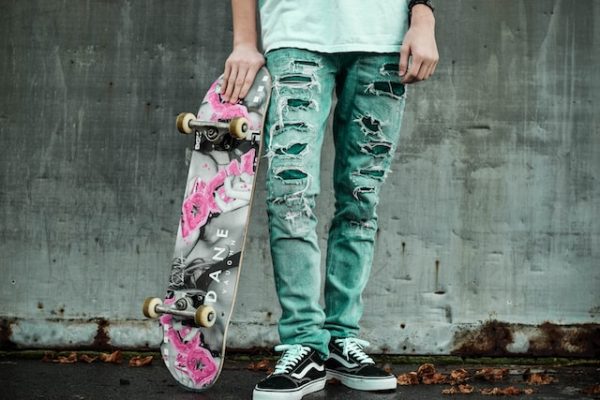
[491,374]
[591,390]
[262,365]
[48,356]
[139,361]
[507,391]
[428,375]
[458,376]
[115,357]
[460,389]
[409,378]
[70,359]
[538,378]
[88,359]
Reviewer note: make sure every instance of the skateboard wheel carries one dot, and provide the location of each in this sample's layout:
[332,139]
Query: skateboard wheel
[183,122]
[238,127]
[205,316]
[149,308]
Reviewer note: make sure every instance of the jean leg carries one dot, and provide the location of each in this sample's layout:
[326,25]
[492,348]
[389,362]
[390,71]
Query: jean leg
[296,122]
[366,131]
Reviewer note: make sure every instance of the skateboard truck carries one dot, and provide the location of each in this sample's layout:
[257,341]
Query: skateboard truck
[204,315]
[237,127]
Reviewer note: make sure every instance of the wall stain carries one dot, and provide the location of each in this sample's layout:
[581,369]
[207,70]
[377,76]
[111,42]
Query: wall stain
[5,335]
[494,337]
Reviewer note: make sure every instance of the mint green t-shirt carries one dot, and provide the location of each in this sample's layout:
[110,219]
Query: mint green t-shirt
[332,26]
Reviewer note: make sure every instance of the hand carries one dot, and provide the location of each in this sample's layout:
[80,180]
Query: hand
[240,69]
[419,45]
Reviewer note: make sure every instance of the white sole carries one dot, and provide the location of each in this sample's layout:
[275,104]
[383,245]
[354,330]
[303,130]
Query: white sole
[297,394]
[368,384]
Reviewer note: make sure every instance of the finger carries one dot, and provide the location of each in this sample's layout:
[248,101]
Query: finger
[226,95]
[404,51]
[434,68]
[250,75]
[423,72]
[226,74]
[239,82]
[413,70]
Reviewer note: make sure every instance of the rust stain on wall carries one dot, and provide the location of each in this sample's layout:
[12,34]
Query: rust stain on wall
[102,339]
[494,338]
[490,339]
[5,335]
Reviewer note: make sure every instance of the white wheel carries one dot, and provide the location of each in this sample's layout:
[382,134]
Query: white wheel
[183,122]
[205,316]
[149,307]
[238,127]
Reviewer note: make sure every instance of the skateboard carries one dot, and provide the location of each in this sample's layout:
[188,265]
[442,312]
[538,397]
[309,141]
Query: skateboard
[195,313]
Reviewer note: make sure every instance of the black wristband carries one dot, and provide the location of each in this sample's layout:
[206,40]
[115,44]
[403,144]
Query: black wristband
[413,3]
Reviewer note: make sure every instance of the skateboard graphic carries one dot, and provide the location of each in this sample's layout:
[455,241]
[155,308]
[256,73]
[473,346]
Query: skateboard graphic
[196,310]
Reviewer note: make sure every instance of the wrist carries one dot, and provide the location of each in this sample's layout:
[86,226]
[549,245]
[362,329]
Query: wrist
[421,14]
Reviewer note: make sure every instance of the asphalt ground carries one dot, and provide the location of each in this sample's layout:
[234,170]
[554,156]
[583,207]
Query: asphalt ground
[32,378]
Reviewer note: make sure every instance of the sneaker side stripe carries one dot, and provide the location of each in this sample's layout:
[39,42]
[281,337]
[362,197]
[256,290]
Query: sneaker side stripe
[306,370]
[343,361]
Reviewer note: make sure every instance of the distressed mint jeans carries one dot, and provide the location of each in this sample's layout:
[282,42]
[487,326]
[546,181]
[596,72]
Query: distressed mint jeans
[366,130]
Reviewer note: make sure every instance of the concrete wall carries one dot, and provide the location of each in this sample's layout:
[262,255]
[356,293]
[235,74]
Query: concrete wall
[489,225]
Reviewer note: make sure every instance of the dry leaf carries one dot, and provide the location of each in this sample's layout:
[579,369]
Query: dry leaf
[70,359]
[507,391]
[87,359]
[451,390]
[459,376]
[434,379]
[460,389]
[425,369]
[538,379]
[139,361]
[591,390]
[492,374]
[114,357]
[333,381]
[262,365]
[410,378]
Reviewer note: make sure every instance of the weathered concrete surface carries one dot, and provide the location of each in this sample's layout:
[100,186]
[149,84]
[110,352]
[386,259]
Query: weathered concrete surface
[490,218]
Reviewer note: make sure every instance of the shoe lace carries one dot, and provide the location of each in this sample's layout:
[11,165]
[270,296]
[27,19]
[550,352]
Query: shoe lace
[354,347]
[290,357]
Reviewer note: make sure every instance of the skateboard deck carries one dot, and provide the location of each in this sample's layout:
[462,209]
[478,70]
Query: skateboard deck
[196,310]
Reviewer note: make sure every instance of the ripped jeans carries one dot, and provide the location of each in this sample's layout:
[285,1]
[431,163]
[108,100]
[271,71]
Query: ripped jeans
[366,130]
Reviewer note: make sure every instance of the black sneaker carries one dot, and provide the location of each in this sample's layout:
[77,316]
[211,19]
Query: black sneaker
[349,364]
[299,371]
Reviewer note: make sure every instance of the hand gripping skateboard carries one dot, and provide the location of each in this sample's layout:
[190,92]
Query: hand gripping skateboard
[196,310]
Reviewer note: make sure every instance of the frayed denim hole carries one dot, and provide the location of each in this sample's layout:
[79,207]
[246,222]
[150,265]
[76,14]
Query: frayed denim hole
[292,174]
[294,149]
[390,69]
[387,88]
[375,173]
[305,63]
[295,79]
[369,125]
[299,104]
[362,190]
[377,149]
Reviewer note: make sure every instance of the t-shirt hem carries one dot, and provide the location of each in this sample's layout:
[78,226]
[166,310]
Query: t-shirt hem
[340,48]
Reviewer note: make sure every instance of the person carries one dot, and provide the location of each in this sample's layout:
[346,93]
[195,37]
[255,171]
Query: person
[365,53]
